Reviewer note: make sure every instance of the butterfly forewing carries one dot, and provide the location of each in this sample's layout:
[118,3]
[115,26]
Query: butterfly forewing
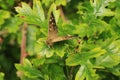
[52,30]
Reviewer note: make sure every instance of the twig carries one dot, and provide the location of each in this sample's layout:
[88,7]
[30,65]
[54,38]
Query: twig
[23,47]
[3,32]
[23,44]
[62,14]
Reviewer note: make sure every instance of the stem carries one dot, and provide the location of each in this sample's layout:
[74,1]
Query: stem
[71,73]
[23,44]
[63,15]
[23,47]
[3,32]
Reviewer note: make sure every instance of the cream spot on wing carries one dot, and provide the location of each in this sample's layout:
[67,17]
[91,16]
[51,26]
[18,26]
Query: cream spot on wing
[50,29]
[52,23]
[50,20]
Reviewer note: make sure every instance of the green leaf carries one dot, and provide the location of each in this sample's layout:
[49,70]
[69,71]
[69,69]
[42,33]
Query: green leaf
[90,73]
[82,30]
[4,15]
[115,70]
[100,7]
[11,2]
[86,72]
[7,5]
[96,52]
[28,69]
[75,59]
[66,28]
[31,39]
[82,58]
[91,27]
[37,8]
[57,2]
[60,2]
[52,59]
[81,73]
[28,15]
[38,61]
[117,16]
[12,24]
[56,72]
[2,76]
[85,6]
[24,10]
[60,49]
[46,2]
[42,49]
[112,56]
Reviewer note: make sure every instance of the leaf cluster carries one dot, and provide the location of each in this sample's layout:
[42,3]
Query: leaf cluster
[97,25]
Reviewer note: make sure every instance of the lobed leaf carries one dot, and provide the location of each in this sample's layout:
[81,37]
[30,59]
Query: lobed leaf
[2,76]
[4,15]
[31,16]
[28,69]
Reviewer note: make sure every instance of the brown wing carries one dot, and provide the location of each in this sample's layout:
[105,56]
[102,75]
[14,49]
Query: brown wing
[58,39]
[52,30]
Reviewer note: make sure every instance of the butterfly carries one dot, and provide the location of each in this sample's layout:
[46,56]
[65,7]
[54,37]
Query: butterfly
[53,32]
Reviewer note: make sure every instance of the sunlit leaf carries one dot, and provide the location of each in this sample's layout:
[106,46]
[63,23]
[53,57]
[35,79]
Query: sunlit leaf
[100,7]
[60,49]
[77,59]
[60,2]
[115,70]
[2,76]
[81,73]
[42,48]
[12,24]
[91,73]
[31,39]
[4,15]
[86,72]
[28,69]
[56,72]
[38,61]
[37,8]
[29,15]
[112,57]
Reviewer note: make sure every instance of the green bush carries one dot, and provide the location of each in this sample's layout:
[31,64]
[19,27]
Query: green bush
[93,55]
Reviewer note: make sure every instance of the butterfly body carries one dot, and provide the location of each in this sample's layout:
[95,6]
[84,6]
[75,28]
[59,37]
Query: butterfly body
[53,32]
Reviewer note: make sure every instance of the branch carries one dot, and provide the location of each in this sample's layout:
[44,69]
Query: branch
[23,44]
[62,14]
[3,32]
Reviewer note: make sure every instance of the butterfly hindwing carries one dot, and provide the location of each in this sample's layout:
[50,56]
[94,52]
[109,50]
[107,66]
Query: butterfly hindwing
[62,38]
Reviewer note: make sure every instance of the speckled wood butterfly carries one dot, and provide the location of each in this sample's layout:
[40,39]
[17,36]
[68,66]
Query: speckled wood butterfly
[53,32]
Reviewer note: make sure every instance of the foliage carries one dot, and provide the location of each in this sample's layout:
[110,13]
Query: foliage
[1,76]
[9,48]
[97,26]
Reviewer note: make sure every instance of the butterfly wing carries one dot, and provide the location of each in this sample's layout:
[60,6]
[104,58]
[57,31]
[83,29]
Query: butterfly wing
[52,30]
[58,39]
